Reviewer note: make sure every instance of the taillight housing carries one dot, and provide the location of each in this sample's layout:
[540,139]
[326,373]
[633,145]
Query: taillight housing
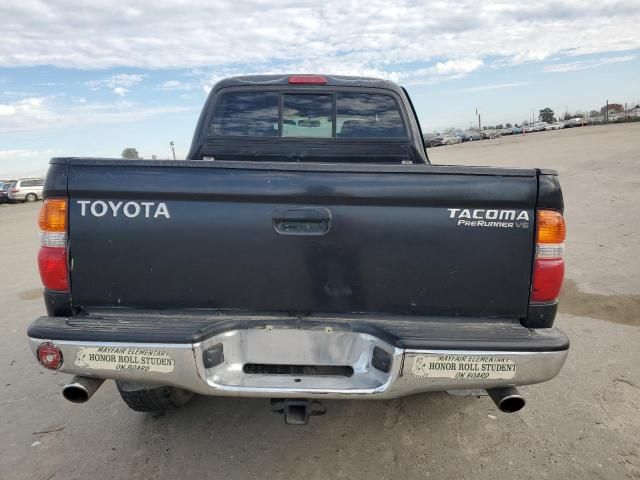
[52,257]
[548,266]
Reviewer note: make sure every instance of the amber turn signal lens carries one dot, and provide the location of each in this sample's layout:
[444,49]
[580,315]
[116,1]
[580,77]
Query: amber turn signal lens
[551,227]
[53,215]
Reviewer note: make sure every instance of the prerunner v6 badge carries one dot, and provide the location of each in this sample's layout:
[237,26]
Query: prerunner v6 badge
[471,367]
[492,218]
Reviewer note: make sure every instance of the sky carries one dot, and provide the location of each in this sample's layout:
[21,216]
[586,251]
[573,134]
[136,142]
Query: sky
[89,78]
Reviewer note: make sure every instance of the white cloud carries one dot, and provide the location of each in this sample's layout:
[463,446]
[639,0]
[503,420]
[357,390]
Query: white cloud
[586,64]
[42,113]
[172,85]
[17,154]
[333,36]
[450,69]
[453,67]
[121,91]
[120,80]
[26,114]
[497,86]
[18,163]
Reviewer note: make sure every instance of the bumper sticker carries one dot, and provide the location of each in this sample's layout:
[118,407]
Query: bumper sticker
[123,358]
[471,367]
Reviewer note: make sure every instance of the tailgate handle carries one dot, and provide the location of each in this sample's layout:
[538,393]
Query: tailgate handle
[302,221]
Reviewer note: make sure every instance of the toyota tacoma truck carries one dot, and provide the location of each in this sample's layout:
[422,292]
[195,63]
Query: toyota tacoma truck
[305,250]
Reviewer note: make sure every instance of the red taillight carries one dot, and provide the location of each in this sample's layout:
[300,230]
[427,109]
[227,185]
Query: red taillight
[15,190]
[52,257]
[548,266]
[52,262]
[548,274]
[307,80]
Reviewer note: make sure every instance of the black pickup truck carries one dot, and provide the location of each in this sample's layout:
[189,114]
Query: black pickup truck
[305,250]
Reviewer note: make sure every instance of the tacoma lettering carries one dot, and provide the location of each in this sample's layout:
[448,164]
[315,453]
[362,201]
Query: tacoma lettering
[482,214]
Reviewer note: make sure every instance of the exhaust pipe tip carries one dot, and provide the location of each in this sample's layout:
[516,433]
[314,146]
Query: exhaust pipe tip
[508,399]
[81,389]
[512,404]
[75,393]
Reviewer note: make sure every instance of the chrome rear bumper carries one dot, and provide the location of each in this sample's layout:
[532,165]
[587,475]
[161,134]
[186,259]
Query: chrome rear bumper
[217,365]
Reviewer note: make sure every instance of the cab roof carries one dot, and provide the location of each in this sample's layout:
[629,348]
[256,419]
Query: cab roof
[283,79]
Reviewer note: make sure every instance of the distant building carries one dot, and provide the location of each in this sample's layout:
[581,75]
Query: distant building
[634,112]
[613,109]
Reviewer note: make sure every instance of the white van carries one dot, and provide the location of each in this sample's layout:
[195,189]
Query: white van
[26,190]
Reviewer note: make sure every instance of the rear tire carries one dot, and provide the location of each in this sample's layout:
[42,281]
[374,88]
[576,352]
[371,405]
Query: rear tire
[31,197]
[144,398]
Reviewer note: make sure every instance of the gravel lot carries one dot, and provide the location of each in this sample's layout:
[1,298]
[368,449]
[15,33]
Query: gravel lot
[583,424]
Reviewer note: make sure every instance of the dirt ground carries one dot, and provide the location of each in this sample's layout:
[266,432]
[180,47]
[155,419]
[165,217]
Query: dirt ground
[583,424]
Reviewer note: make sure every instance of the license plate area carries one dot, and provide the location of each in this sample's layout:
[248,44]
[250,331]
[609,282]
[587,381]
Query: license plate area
[282,359]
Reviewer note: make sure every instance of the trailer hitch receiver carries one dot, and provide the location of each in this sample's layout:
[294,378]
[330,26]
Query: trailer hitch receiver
[296,411]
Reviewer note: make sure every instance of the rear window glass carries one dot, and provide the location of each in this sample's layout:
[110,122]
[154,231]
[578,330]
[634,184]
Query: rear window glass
[246,114]
[368,115]
[307,115]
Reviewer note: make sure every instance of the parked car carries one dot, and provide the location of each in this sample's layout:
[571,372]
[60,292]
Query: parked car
[341,265]
[554,126]
[463,136]
[473,135]
[576,122]
[432,140]
[450,139]
[489,134]
[516,130]
[4,192]
[26,190]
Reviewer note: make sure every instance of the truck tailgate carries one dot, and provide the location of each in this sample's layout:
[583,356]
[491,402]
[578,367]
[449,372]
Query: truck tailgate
[421,240]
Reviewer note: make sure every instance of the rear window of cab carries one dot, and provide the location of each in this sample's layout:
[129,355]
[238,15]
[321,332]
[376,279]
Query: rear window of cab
[307,115]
